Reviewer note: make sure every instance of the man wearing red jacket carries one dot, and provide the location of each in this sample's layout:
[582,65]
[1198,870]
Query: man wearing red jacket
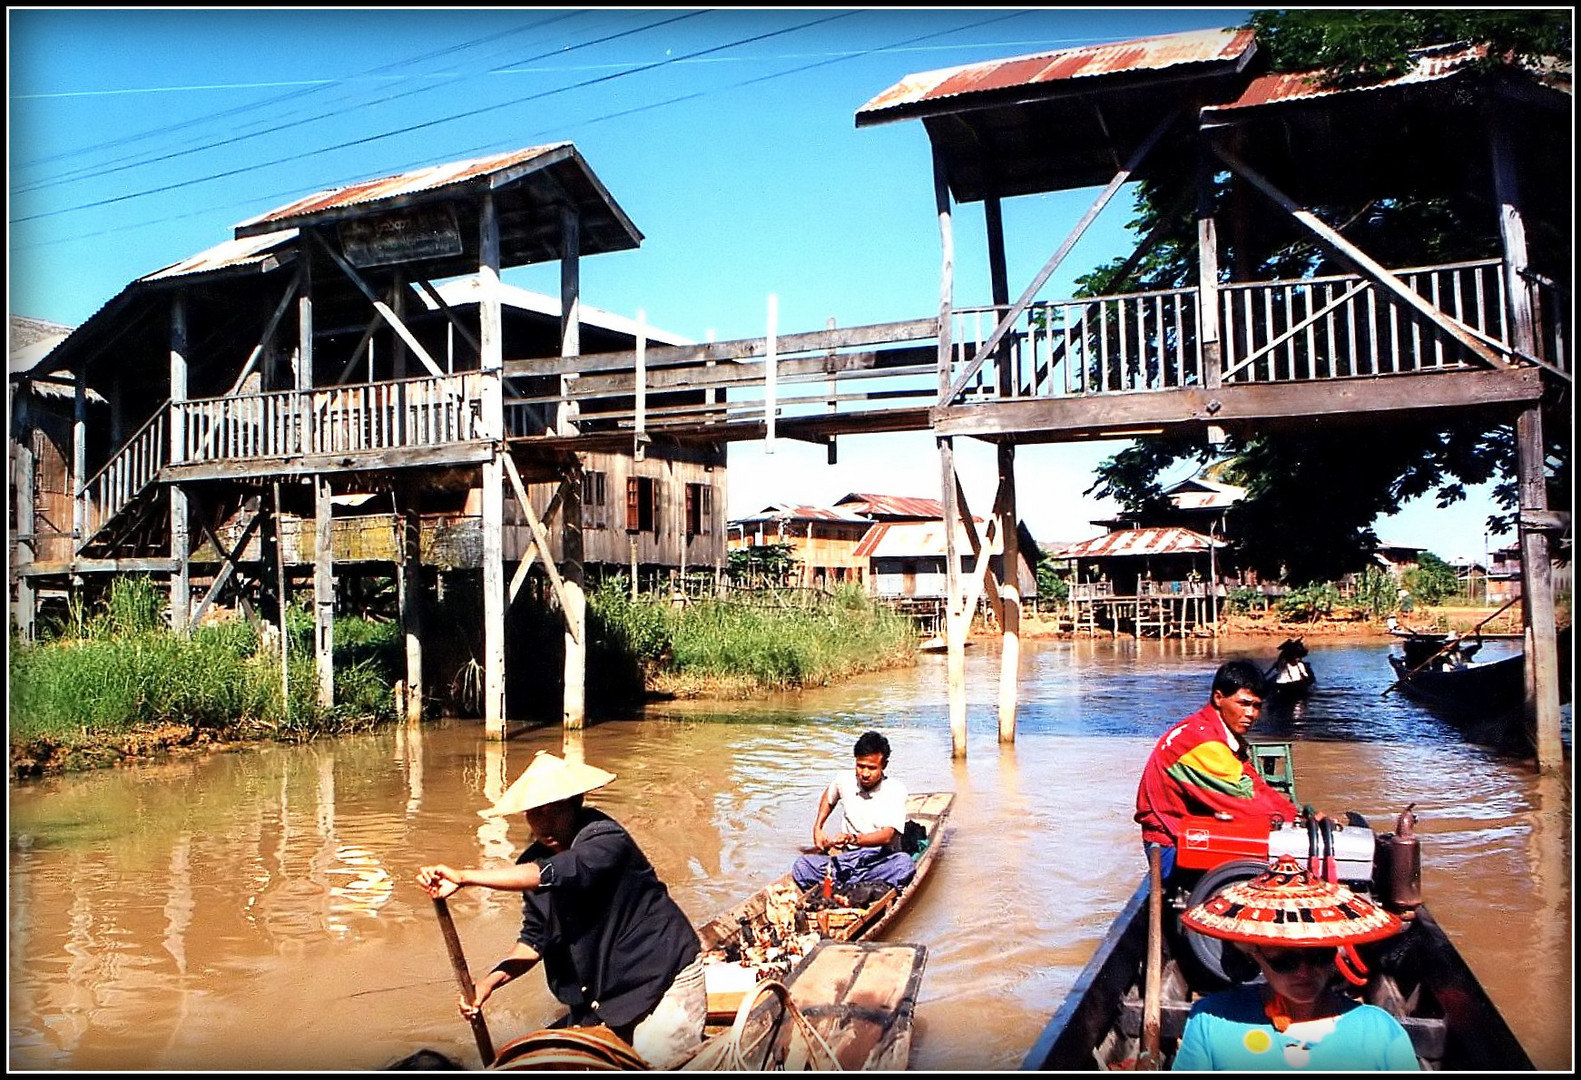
[1203,766]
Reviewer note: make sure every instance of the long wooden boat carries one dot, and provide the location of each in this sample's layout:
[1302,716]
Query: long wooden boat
[1452,1023]
[768,934]
[847,1006]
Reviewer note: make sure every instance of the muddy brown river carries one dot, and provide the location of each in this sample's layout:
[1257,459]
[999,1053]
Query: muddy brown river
[257,910]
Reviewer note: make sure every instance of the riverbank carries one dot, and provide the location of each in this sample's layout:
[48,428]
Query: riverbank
[723,678]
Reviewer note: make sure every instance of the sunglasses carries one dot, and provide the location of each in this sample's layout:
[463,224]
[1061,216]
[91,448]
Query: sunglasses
[1288,961]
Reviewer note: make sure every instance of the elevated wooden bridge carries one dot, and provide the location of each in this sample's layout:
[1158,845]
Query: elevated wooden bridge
[1485,337]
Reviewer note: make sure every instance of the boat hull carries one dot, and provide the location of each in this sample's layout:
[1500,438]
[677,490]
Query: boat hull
[1453,1024]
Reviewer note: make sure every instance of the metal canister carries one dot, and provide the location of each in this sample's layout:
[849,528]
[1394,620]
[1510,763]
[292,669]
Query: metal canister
[1397,867]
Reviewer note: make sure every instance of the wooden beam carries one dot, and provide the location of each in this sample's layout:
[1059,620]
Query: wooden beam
[380,306]
[229,559]
[264,339]
[324,590]
[1112,415]
[467,453]
[786,345]
[987,348]
[493,496]
[540,536]
[1364,262]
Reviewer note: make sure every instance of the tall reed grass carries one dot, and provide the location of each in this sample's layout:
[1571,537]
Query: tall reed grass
[743,647]
[118,669]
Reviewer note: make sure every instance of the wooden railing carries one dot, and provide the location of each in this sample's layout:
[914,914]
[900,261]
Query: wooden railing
[125,476]
[396,415]
[1343,326]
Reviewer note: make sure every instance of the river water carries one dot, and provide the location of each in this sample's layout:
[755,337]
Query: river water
[257,910]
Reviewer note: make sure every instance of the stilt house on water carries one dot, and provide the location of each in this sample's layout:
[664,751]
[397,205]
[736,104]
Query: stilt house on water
[237,382]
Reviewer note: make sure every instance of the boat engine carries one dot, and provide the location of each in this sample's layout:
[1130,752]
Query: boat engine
[1212,852]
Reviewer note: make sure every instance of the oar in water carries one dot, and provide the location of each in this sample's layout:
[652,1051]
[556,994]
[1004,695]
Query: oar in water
[1453,642]
[458,962]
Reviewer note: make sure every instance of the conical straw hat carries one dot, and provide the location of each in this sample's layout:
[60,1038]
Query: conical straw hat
[1286,906]
[547,779]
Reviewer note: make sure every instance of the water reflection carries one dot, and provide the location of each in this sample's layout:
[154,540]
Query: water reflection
[257,910]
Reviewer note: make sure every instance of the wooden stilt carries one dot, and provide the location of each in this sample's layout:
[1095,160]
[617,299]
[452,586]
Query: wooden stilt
[180,533]
[410,597]
[490,336]
[323,591]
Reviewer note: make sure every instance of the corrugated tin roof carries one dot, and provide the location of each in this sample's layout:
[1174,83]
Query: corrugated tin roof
[462,291]
[791,512]
[1122,543]
[892,506]
[1200,493]
[1430,64]
[428,178]
[227,255]
[1048,68]
[913,539]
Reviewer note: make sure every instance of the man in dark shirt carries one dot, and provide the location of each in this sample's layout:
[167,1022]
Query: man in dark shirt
[615,947]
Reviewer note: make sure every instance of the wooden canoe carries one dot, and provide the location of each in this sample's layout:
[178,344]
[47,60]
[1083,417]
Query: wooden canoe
[1419,976]
[847,1006]
[768,934]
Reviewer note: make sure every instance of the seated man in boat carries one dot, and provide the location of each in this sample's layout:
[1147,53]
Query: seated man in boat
[874,807]
[1302,934]
[1203,766]
[616,948]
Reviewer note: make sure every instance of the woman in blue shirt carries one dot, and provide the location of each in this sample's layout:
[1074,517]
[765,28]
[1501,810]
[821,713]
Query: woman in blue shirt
[1298,931]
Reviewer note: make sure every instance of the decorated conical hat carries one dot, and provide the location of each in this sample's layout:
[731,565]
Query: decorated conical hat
[547,779]
[1286,906]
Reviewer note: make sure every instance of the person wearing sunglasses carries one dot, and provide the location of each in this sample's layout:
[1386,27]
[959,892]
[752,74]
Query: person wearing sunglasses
[1301,933]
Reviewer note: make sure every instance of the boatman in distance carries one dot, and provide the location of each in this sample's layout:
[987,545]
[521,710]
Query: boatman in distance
[1203,765]
[874,805]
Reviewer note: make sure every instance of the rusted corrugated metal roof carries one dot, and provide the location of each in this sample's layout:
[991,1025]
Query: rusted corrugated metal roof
[903,506]
[1048,68]
[912,539]
[229,255]
[427,178]
[1171,540]
[790,512]
[1429,65]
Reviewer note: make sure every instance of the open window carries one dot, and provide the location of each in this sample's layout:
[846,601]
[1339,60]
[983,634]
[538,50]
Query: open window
[699,509]
[642,504]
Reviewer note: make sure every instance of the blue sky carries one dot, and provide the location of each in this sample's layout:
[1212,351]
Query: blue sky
[138,137]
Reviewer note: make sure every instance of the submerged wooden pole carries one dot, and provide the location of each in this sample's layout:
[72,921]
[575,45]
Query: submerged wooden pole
[1152,1003]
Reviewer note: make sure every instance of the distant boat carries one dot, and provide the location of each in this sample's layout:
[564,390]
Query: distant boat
[936,643]
[1290,677]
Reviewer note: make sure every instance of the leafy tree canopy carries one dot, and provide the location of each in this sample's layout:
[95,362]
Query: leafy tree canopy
[1313,496]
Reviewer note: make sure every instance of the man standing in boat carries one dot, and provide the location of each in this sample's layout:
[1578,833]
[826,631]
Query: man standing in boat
[1203,766]
[616,948]
[874,806]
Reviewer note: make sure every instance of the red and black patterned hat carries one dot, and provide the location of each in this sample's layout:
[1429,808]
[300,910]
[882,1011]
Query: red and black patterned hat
[1288,907]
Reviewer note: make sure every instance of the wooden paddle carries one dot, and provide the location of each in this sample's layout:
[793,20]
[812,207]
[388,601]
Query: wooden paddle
[1152,1001]
[458,963]
[1450,644]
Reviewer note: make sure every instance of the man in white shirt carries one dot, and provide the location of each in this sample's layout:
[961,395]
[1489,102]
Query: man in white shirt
[868,848]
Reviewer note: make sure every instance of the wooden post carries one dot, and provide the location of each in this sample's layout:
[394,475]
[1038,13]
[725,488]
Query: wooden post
[570,312]
[24,547]
[1537,594]
[1010,555]
[409,585]
[1208,277]
[1010,595]
[575,600]
[79,458]
[180,528]
[284,603]
[770,373]
[1542,648]
[303,381]
[954,631]
[323,590]
[490,362]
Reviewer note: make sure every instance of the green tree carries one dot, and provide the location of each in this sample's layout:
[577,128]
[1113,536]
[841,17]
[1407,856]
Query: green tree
[1312,496]
[1432,580]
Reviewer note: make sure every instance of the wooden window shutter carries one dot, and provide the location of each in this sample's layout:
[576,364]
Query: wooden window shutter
[633,514]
